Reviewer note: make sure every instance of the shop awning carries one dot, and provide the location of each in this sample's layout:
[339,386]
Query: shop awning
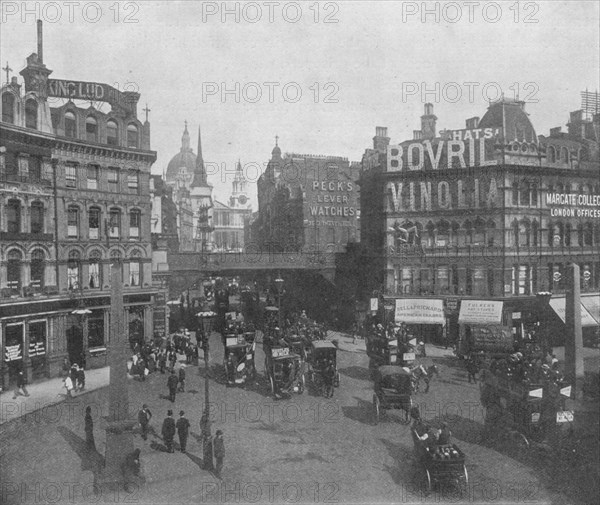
[480,312]
[559,304]
[592,305]
[419,311]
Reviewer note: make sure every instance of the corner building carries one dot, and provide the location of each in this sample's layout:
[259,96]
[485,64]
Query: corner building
[75,196]
[491,211]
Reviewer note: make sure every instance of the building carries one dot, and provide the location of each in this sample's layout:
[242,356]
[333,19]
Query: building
[307,203]
[74,199]
[491,211]
[229,219]
[192,194]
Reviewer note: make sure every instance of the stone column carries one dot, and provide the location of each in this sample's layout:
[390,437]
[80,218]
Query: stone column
[574,338]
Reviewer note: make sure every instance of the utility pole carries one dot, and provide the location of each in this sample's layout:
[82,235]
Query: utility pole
[574,338]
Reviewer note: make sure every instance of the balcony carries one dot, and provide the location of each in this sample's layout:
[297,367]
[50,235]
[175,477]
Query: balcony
[26,237]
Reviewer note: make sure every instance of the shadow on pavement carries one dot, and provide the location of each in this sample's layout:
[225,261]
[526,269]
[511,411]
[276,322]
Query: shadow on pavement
[363,412]
[356,372]
[156,446]
[403,468]
[91,459]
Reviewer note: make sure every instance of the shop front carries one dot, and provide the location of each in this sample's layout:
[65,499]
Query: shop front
[424,317]
[482,327]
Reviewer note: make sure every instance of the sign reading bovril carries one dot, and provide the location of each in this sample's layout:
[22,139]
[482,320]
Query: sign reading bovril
[573,205]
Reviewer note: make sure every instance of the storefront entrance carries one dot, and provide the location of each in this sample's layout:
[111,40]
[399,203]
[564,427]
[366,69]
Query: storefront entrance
[74,343]
[13,352]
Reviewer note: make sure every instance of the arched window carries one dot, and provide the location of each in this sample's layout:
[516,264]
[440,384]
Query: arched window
[443,233]
[534,195]
[31,113]
[72,221]
[37,217]
[535,229]
[132,136]
[8,108]
[112,133]
[588,234]
[13,216]
[491,233]
[13,269]
[38,265]
[564,155]
[91,129]
[478,237]
[94,280]
[34,166]
[567,236]
[551,154]
[114,223]
[515,230]
[135,269]
[524,227]
[468,227]
[524,194]
[135,221]
[70,125]
[515,193]
[73,270]
[94,223]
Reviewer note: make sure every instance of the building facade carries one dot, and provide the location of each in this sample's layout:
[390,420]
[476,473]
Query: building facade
[307,203]
[489,211]
[79,180]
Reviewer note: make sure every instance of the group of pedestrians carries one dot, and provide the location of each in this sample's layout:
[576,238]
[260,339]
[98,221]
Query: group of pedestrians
[75,379]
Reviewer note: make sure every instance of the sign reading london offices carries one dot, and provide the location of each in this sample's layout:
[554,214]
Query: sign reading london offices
[573,205]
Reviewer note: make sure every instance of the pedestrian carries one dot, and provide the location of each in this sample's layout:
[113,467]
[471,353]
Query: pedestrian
[21,388]
[445,435]
[89,429]
[219,452]
[162,361]
[69,386]
[172,382]
[181,386]
[173,360]
[73,375]
[65,367]
[472,369]
[142,369]
[183,427]
[168,431]
[81,379]
[144,416]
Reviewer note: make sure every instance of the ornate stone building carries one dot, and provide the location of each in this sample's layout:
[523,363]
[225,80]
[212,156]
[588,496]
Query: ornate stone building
[75,198]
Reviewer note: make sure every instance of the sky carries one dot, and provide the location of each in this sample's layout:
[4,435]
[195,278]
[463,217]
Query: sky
[320,75]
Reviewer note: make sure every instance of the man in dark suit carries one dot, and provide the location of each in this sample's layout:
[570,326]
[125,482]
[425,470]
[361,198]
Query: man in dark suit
[172,382]
[219,452]
[168,431]
[183,428]
[144,416]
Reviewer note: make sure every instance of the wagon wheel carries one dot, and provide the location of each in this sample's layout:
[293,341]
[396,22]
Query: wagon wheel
[272,385]
[376,408]
[519,442]
[336,382]
[428,476]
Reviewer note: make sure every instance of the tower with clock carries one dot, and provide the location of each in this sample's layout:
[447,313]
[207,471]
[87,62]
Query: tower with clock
[239,195]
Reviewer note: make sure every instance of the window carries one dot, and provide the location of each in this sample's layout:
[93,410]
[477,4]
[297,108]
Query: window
[134,273]
[31,110]
[442,280]
[521,280]
[113,179]
[94,223]
[91,129]
[534,195]
[407,280]
[133,181]
[132,136]
[114,223]
[13,270]
[94,280]
[92,176]
[37,217]
[535,230]
[515,193]
[34,168]
[95,323]
[112,133]
[37,268]
[551,154]
[8,108]
[73,269]
[13,216]
[564,155]
[71,176]
[588,234]
[70,125]
[524,195]
[134,223]
[11,165]
[568,231]
[72,221]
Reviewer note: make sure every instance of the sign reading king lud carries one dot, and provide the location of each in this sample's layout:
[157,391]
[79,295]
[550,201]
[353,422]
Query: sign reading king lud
[79,90]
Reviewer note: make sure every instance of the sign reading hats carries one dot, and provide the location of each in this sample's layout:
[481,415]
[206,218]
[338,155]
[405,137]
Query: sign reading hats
[418,311]
[480,312]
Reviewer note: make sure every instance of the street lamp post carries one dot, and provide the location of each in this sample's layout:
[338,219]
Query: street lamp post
[206,324]
[279,283]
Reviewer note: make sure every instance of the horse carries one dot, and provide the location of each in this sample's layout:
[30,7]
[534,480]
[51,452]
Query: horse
[420,372]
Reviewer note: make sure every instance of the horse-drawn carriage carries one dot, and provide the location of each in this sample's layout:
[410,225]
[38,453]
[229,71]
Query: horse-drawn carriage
[322,362]
[392,390]
[441,463]
[238,359]
[284,370]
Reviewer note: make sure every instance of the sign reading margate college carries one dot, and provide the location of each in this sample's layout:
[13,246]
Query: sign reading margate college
[79,90]
[573,205]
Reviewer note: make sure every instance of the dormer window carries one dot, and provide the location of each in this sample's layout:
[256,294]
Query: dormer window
[8,108]
[132,136]
[70,125]
[91,129]
[112,133]
[31,111]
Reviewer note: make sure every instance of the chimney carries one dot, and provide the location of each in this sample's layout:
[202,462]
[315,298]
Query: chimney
[473,123]
[428,122]
[417,135]
[381,140]
[40,42]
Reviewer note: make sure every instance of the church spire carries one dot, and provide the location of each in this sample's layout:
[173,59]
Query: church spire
[185,139]
[200,171]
